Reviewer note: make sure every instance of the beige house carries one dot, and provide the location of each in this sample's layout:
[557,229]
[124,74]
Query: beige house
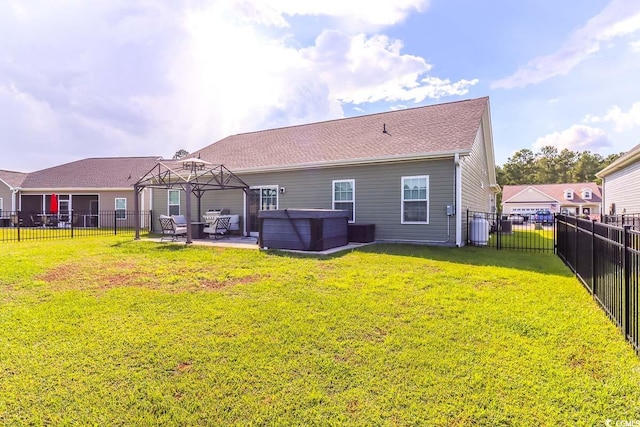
[85,187]
[572,199]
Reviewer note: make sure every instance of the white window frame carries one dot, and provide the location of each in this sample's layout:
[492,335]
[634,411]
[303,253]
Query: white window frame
[587,194]
[353,196]
[402,199]
[123,217]
[1,206]
[169,204]
[568,194]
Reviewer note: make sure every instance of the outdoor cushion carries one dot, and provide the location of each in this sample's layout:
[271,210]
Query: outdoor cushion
[218,227]
[170,228]
[180,220]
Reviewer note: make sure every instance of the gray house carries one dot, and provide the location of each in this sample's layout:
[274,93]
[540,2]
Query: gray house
[620,193]
[413,173]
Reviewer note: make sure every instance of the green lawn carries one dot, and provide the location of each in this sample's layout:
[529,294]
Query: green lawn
[108,331]
[526,237]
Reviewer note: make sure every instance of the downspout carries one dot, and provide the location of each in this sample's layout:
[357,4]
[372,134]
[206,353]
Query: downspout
[456,193]
[14,192]
[458,198]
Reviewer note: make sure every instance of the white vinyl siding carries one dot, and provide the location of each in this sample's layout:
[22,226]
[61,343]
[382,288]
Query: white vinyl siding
[173,202]
[121,208]
[415,199]
[620,189]
[344,197]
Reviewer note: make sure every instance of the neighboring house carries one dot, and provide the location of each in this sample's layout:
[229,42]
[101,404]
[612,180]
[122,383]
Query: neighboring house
[413,172]
[85,186]
[620,191]
[573,199]
[10,183]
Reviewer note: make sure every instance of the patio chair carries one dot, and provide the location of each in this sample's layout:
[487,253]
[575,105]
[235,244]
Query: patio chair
[15,220]
[218,227]
[35,221]
[170,229]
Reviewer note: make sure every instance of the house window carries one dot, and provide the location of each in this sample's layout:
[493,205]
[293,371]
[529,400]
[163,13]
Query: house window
[174,202]
[415,199]
[568,194]
[121,208]
[344,197]
[1,206]
[586,194]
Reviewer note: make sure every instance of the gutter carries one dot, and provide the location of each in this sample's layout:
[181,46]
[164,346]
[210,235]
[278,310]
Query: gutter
[621,163]
[457,197]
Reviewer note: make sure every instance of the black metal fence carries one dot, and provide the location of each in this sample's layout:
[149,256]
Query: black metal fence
[606,259]
[509,232]
[19,226]
[622,219]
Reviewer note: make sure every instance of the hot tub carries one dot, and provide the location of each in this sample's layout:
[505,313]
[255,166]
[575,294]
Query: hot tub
[303,229]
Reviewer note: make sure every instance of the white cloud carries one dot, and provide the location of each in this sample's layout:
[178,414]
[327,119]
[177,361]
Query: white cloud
[635,46]
[576,138]
[259,82]
[140,77]
[622,121]
[355,14]
[619,18]
[359,69]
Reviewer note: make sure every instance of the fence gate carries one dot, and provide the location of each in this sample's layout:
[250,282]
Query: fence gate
[518,232]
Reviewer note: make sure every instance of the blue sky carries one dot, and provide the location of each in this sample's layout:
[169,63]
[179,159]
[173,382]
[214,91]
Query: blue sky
[141,77]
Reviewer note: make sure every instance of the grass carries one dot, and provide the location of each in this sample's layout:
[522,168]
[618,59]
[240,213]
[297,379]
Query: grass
[107,331]
[526,237]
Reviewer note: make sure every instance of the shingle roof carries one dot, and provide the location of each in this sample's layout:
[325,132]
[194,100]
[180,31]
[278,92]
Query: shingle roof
[556,191]
[630,157]
[14,179]
[414,132]
[107,172]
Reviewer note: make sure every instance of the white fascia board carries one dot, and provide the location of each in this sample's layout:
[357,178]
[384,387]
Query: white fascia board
[358,162]
[551,199]
[74,189]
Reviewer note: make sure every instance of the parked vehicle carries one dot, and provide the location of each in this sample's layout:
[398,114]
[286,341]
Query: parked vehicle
[516,219]
[543,217]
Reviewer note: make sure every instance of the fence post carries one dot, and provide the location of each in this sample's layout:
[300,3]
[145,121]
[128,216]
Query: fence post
[575,247]
[555,233]
[468,227]
[499,231]
[626,265]
[18,225]
[115,223]
[593,257]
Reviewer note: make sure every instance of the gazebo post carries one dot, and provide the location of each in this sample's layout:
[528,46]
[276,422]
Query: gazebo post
[187,189]
[136,209]
[247,210]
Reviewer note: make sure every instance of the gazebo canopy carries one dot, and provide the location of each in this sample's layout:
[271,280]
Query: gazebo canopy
[201,174]
[194,176]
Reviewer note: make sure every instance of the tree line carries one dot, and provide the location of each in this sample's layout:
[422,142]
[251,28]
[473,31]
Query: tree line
[550,166]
